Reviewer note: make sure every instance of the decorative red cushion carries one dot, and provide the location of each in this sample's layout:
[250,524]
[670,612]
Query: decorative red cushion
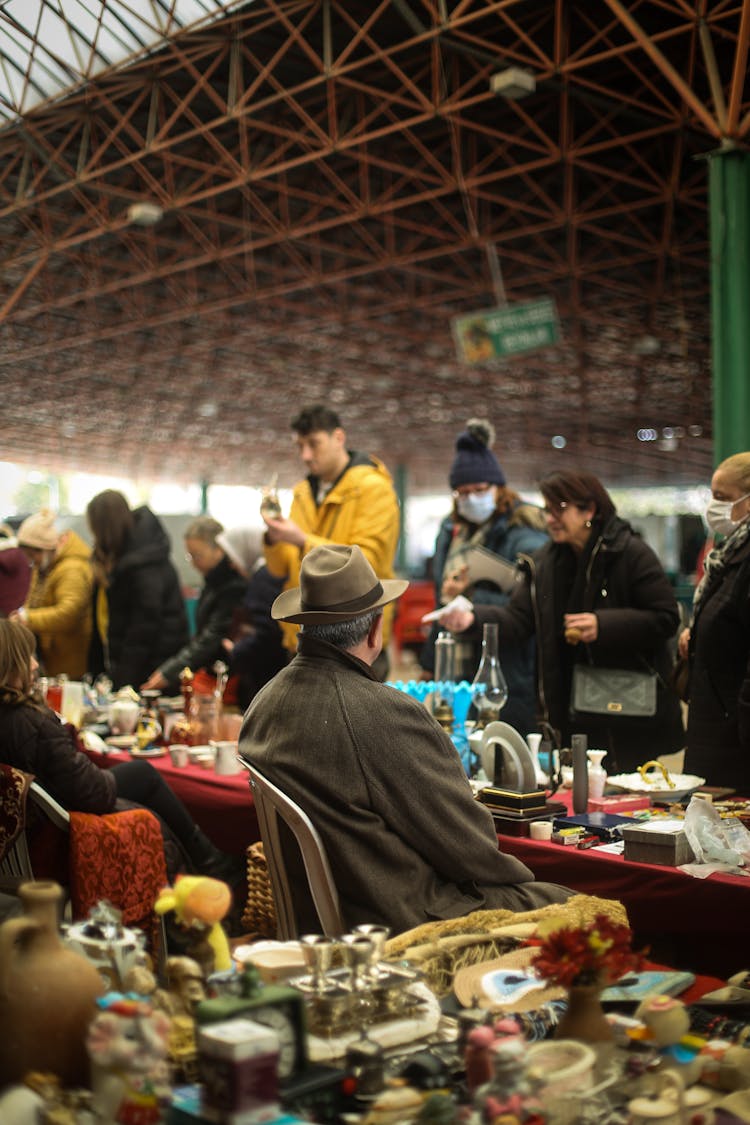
[118,857]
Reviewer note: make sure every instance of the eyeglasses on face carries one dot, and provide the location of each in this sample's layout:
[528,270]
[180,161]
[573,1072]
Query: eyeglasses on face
[555,508]
[470,490]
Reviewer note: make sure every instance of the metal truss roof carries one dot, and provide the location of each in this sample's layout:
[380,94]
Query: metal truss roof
[337,182]
[50,47]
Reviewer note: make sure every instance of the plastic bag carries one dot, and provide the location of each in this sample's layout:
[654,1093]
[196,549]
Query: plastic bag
[714,840]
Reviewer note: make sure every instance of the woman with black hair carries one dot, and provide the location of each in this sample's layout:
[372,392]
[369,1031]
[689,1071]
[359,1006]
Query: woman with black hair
[597,595]
[140,618]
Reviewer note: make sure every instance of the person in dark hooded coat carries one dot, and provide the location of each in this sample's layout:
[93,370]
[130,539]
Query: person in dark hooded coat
[139,611]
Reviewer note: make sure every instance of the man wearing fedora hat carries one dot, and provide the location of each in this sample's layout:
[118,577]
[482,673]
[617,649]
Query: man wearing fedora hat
[376,774]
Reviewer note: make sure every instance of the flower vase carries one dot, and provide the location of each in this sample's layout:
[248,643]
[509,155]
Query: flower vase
[597,773]
[584,1018]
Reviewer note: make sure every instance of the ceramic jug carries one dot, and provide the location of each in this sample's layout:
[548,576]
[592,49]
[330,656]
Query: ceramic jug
[123,715]
[47,993]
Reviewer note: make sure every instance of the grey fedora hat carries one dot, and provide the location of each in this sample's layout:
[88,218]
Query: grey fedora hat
[336,584]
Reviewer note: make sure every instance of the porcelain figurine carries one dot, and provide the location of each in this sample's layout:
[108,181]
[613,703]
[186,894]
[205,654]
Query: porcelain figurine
[127,1042]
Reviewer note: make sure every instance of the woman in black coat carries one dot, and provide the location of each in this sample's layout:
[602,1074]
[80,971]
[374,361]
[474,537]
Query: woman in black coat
[718,642]
[223,590]
[140,617]
[595,594]
[36,741]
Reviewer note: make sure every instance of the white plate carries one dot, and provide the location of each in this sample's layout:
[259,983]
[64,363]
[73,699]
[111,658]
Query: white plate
[509,733]
[149,752]
[122,741]
[684,783]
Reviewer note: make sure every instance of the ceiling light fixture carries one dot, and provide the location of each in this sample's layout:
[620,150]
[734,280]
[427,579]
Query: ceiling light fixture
[646,345]
[513,83]
[145,214]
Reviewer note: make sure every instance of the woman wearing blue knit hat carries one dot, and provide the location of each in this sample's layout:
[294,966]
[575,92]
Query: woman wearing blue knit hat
[486,513]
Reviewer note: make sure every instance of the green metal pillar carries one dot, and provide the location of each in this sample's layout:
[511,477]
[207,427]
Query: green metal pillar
[204,497]
[729,194]
[400,482]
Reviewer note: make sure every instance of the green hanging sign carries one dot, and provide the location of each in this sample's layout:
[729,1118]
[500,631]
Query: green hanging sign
[497,333]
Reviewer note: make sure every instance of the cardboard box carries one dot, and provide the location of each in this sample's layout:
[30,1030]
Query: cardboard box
[658,841]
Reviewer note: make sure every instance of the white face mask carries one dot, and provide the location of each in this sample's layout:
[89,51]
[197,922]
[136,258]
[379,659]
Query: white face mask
[719,515]
[477,507]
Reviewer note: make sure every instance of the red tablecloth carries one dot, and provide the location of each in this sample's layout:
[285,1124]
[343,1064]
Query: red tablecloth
[697,924]
[221,805]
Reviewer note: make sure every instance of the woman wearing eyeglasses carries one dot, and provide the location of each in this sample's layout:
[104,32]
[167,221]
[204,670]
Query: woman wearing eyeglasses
[486,513]
[717,644]
[596,594]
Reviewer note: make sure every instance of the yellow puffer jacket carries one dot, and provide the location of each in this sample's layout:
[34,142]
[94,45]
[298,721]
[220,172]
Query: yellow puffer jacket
[58,609]
[361,509]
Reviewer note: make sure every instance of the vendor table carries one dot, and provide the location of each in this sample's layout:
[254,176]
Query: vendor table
[222,805]
[697,924]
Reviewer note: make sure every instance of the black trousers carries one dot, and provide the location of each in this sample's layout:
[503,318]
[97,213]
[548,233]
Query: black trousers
[141,783]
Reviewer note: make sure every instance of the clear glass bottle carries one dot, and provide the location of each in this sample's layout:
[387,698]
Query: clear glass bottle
[270,505]
[489,689]
[442,697]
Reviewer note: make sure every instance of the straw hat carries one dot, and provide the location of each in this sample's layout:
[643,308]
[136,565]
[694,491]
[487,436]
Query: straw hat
[505,983]
[337,583]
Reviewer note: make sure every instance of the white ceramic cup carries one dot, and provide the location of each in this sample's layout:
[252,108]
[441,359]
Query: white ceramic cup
[179,754]
[540,829]
[226,758]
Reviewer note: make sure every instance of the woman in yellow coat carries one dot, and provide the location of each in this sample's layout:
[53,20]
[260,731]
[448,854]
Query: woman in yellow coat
[58,606]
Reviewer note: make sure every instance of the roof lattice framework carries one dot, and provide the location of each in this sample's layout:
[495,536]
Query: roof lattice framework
[337,182]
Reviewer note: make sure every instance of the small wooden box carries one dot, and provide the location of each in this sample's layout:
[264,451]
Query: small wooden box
[657,841]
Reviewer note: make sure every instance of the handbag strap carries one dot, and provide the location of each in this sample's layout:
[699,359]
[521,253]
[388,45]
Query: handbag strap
[646,666]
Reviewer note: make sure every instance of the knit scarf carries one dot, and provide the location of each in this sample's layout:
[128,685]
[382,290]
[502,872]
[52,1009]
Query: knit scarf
[718,559]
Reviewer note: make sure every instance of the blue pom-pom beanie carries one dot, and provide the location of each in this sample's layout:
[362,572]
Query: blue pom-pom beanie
[475,463]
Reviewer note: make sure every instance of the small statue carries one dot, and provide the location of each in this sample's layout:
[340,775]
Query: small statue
[507,1094]
[199,903]
[185,990]
[127,1043]
[185,987]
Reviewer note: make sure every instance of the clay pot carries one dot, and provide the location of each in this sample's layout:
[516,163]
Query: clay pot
[47,993]
[584,1017]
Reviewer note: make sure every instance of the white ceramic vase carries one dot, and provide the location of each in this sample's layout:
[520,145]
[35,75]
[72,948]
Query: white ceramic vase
[597,773]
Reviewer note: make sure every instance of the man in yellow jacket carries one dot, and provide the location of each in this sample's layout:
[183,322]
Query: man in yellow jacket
[346,498]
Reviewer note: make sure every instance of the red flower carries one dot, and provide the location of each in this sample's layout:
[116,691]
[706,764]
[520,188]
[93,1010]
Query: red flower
[598,953]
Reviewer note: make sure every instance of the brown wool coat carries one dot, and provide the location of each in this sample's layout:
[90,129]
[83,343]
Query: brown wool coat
[384,786]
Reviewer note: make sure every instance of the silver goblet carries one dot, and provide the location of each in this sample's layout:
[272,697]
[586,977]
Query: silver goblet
[378,936]
[317,951]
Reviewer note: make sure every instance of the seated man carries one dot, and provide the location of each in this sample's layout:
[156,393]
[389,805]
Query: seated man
[377,775]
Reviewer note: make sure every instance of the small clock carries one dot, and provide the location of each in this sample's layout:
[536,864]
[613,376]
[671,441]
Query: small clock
[276,1006]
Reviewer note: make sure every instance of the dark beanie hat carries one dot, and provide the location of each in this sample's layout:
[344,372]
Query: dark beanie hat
[475,463]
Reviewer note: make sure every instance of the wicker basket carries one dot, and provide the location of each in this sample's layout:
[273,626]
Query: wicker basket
[259,917]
